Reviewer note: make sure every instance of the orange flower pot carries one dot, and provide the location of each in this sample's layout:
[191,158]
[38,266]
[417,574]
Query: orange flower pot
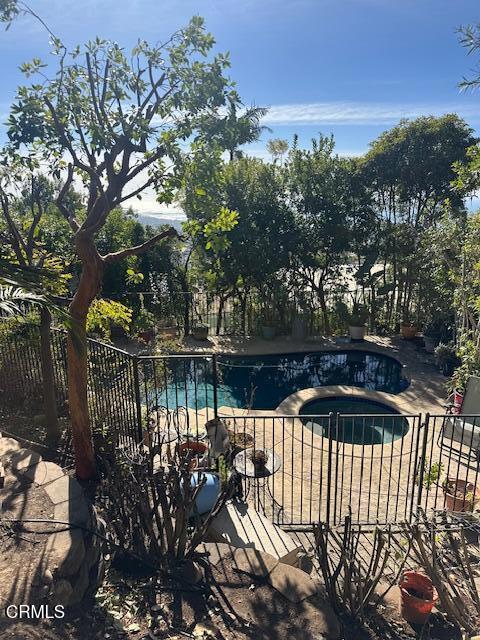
[418,597]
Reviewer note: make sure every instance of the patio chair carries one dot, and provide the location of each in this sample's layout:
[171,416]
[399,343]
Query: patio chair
[464,428]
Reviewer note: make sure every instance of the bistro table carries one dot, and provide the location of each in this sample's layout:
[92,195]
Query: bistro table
[257,478]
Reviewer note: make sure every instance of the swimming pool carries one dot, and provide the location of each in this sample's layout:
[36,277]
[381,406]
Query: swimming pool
[379,424]
[263,381]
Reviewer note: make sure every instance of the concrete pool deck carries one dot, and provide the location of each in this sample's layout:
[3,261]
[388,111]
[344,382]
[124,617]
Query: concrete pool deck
[377,481]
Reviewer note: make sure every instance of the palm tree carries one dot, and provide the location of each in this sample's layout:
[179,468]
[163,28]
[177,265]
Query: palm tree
[232,130]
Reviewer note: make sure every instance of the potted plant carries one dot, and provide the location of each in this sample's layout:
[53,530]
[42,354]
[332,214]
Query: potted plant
[408,329]
[460,495]
[168,328]
[239,440]
[193,448]
[356,319]
[418,597]
[446,358]
[200,331]
[259,457]
[431,336]
[144,325]
[267,325]
[357,322]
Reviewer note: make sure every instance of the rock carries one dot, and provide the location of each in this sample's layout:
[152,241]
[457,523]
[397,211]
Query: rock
[294,584]
[8,446]
[74,511]
[43,472]
[63,489]
[24,458]
[80,586]
[62,592]
[216,551]
[65,552]
[190,572]
[47,577]
[305,562]
[254,562]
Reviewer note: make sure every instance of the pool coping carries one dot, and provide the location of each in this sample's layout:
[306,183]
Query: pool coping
[296,428]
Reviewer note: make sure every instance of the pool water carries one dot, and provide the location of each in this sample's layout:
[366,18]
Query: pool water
[263,381]
[375,428]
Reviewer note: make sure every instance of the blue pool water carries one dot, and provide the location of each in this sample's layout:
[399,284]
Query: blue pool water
[383,424]
[263,381]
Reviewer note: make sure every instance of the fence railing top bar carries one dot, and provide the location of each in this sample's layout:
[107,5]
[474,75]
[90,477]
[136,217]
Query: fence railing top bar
[454,415]
[378,415]
[176,356]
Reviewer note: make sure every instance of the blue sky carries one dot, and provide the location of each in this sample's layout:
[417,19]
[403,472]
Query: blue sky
[347,67]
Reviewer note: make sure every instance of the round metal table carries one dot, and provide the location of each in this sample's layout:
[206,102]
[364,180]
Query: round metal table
[257,479]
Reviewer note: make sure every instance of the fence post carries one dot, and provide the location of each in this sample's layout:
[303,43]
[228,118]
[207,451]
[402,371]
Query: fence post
[138,403]
[215,385]
[421,470]
[329,468]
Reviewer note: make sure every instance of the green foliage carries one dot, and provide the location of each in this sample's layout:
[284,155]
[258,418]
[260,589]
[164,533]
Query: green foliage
[103,313]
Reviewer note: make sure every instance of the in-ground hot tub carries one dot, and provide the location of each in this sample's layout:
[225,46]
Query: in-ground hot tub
[377,423]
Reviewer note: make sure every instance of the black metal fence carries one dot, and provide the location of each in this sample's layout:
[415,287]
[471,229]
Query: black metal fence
[379,467]
[239,314]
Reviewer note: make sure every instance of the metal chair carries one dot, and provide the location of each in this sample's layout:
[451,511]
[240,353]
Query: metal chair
[464,428]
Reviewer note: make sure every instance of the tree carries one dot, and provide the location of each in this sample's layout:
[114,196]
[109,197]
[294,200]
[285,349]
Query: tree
[231,131]
[118,120]
[26,199]
[316,185]
[277,148]
[410,170]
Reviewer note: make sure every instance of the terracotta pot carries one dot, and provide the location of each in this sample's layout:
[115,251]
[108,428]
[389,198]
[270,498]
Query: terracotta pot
[357,333]
[408,330]
[198,448]
[168,332]
[418,597]
[457,401]
[469,496]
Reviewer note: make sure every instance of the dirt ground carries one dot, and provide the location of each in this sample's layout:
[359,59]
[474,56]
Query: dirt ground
[233,606]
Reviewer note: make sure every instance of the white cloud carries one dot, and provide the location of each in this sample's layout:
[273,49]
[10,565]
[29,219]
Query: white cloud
[357,113]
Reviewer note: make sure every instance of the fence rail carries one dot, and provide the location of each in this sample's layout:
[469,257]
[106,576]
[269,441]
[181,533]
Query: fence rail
[381,468]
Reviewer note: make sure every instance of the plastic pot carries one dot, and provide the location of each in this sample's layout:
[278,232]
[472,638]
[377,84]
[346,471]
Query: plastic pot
[418,597]
[357,333]
[465,502]
[209,493]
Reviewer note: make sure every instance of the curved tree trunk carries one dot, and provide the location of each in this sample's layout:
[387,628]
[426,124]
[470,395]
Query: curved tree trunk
[89,286]
[46,362]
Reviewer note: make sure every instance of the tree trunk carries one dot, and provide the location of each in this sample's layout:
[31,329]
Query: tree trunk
[220,315]
[48,380]
[323,306]
[89,286]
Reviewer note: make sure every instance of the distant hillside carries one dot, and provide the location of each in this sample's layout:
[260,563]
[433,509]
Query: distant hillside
[155,220]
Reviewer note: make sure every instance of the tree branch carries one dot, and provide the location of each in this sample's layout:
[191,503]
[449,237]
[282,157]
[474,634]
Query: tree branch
[141,248]
[61,197]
